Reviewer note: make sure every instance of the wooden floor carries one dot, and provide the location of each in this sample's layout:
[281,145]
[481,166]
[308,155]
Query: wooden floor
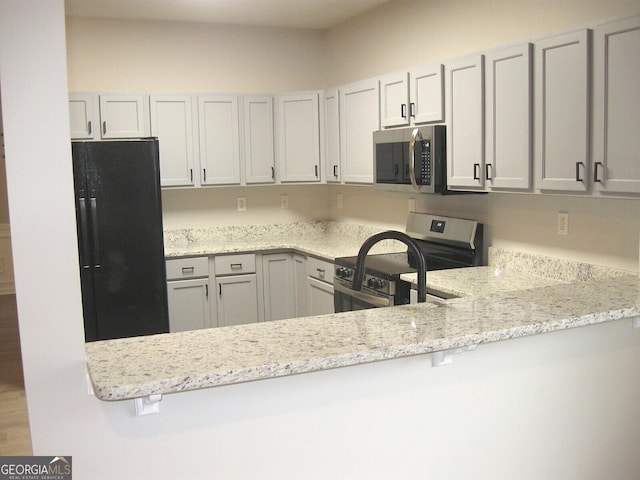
[14,422]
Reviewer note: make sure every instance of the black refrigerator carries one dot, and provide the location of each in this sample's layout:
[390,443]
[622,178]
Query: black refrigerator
[120,240]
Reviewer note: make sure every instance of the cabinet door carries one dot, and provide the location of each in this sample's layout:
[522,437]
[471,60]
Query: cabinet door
[83,115]
[508,117]
[237,300]
[562,112]
[359,118]
[188,304]
[616,120]
[319,297]
[259,155]
[123,116]
[394,100]
[219,140]
[299,278]
[426,94]
[299,138]
[465,122]
[279,287]
[172,123]
[331,105]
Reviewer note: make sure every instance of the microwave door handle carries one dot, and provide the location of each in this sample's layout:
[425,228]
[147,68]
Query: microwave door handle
[415,136]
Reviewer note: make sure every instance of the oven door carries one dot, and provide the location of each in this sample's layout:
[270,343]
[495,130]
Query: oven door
[347,300]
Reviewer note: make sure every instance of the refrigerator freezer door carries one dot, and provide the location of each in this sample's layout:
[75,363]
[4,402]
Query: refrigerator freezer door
[124,211]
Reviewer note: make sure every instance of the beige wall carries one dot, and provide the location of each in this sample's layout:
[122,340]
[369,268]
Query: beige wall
[182,57]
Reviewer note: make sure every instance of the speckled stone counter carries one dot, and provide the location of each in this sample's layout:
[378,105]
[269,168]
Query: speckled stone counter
[169,363]
[518,295]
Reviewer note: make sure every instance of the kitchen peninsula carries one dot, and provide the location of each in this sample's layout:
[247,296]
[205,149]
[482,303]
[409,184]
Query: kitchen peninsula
[496,304]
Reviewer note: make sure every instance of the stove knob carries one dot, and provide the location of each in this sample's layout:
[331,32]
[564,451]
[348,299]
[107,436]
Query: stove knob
[375,283]
[343,272]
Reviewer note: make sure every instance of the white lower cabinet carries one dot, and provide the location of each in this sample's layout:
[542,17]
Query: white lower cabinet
[278,286]
[188,304]
[237,301]
[236,289]
[188,294]
[319,287]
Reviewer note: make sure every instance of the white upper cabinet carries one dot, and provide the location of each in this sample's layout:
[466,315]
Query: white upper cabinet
[96,116]
[124,116]
[508,116]
[464,90]
[331,136]
[218,125]
[616,88]
[426,94]
[394,100]
[412,98]
[562,112]
[259,154]
[84,116]
[172,122]
[299,137]
[359,118]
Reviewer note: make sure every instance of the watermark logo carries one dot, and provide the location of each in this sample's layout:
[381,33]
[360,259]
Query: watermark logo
[35,468]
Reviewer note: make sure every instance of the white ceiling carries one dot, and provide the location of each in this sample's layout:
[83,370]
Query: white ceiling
[313,14]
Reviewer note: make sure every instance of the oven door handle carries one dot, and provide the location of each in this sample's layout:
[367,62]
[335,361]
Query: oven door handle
[416,135]
[371,299]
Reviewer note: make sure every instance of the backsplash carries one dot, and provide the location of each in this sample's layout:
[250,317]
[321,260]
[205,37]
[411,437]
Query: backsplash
[550,267]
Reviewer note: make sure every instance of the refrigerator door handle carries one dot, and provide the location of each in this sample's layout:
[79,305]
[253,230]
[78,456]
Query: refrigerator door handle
[94,223]
[84,238]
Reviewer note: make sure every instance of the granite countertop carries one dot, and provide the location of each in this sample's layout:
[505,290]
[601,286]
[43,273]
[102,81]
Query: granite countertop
[169,363]
[533,295]
[462,282]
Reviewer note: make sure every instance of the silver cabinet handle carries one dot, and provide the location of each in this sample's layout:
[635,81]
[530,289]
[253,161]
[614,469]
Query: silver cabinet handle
[416,135]
[93,203]
[236,266]
[188,269]
[84,226]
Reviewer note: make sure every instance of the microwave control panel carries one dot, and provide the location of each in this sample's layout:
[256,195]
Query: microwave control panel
[425,164]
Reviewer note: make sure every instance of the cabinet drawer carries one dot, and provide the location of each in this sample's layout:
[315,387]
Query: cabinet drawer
[182,268]
[320,269]
[235,264]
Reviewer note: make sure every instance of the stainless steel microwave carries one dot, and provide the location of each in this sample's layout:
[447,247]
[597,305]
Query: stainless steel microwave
[411,159]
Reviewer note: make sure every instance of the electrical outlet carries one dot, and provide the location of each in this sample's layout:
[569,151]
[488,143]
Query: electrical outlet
[563,223]
[412,204]
[284,201]
[339,200]
[242,204]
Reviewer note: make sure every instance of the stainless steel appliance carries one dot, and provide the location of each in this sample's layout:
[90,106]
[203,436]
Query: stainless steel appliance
[411,159]
[445,242]
[120,240]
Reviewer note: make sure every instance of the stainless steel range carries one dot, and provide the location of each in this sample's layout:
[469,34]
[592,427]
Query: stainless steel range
[443,242]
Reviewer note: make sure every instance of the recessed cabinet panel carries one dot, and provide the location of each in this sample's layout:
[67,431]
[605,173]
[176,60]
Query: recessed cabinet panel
[84,118]
[616,142]
[331,104]
[359,118]
[279,287]
[562,112]
[219,140]
[259,151]
[508,113]
[188,304]
[123,116]
[319,297]
[172,123]
[299,138]
[237,300]
[394,95]
[465,122]
[426,94]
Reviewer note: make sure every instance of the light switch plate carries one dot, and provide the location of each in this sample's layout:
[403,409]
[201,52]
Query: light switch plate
[242,204]
[284,201]
[563,223]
